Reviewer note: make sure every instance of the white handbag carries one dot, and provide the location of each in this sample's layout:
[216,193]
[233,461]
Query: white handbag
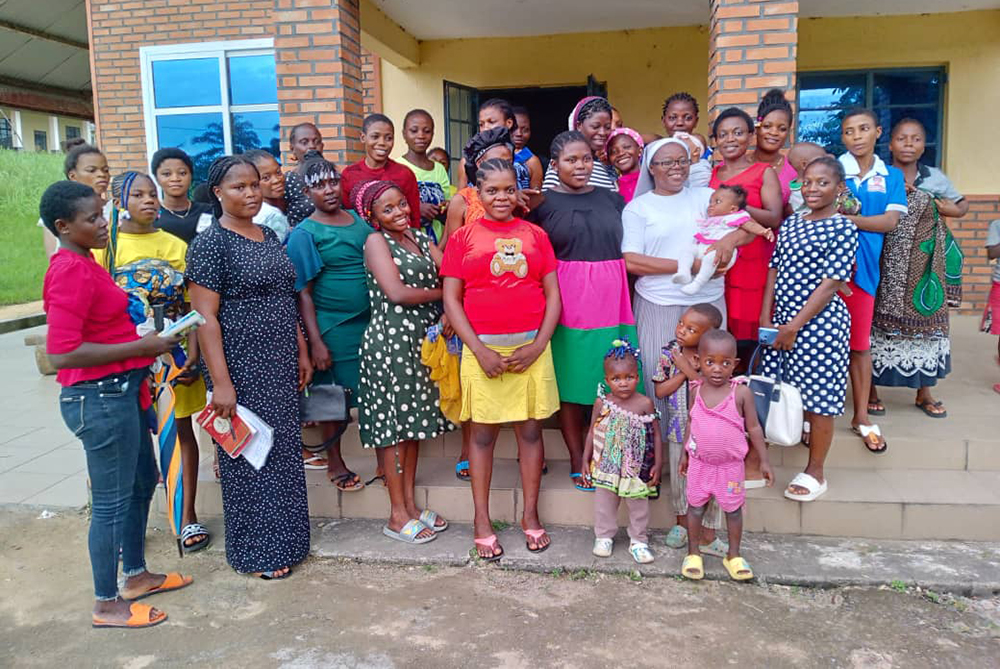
[778,404]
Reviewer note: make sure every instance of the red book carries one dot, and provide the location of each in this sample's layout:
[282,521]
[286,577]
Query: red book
[232,434]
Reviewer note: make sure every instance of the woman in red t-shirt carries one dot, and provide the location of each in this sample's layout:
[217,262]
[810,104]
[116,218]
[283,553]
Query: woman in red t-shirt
[377,135]
[502,298]
[103,365]
[732,131]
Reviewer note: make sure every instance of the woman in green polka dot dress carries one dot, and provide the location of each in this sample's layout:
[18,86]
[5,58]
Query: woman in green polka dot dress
[398,402]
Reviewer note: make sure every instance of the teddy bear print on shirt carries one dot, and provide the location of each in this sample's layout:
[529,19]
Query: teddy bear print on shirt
[509,258]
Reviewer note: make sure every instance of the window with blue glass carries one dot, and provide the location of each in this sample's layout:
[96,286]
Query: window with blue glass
[893,95]
[211,99]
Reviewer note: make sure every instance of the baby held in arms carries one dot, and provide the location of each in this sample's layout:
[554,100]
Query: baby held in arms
[725,212]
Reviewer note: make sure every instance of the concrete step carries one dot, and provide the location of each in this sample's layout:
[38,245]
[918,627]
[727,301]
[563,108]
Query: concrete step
[938,446]
[882,504]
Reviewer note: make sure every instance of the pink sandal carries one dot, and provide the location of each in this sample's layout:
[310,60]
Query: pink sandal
[996,387]
[535,535]
[491,543]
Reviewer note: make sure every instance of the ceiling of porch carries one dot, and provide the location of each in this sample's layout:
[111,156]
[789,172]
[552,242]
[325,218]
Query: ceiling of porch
[449,19]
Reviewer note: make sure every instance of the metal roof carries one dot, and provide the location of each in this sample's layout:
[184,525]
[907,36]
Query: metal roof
[43,47]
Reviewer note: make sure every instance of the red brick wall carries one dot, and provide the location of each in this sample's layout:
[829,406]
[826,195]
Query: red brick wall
[371,82]
[970,232]
[119,27]
[752,48]
[318,55]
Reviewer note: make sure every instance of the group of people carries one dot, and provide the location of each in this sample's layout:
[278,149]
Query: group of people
[621,283]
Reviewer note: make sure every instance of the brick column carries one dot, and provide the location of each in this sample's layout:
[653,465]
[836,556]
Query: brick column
[751,49]
[318,56]
[371,82]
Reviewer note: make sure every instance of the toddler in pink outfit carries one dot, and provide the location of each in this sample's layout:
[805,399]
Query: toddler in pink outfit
[725,212]
[722,414]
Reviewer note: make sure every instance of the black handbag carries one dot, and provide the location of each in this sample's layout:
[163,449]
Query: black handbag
[323,403]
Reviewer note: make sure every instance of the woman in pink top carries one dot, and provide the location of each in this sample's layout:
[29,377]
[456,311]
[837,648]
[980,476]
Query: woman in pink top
[103,365]
[774,122]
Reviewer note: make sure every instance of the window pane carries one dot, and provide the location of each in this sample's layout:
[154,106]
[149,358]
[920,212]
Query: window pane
[186,83]
[252,80]
[257,130]
[454,102]
[818,91]
[901,88]
[821,127]
[41,141]
[200,135]
[72,132]
[928,117]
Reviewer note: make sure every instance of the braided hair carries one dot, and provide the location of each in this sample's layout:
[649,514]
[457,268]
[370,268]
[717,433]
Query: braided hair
[680,96]
[621,349]
[217,171]
[560,141]
[363,197]
[61,200]
[316,169]
[492,166]
[590,108]
[125,182]
[773,100]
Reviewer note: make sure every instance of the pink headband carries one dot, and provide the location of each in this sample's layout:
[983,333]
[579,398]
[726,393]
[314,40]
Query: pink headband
[636,137]
[578,107]
[370,190]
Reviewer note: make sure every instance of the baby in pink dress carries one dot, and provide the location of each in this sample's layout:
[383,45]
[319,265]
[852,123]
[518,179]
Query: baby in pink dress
[725,212]
[722,415]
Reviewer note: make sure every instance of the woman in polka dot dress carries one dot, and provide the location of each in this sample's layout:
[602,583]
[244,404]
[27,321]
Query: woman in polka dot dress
[254,354]
[813,259]
[398,403]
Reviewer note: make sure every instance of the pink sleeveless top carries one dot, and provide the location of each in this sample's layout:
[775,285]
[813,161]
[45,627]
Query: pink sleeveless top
[718,434]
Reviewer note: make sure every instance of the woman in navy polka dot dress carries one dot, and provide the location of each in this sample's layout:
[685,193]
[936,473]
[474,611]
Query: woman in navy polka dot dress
[814,257]
[243,283]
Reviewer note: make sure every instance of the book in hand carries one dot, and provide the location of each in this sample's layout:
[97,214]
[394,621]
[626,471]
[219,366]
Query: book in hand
[232,434]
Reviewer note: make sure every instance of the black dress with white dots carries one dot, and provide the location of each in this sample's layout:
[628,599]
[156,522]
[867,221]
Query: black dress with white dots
[266,512]
[808,252]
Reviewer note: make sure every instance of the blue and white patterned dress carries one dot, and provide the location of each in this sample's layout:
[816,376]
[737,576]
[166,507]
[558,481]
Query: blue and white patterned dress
[806,253]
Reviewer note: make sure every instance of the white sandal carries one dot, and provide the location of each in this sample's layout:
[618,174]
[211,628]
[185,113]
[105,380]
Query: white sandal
[603,547]
[803,480]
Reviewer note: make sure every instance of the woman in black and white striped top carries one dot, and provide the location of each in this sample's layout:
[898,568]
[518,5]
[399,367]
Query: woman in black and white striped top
[592,117]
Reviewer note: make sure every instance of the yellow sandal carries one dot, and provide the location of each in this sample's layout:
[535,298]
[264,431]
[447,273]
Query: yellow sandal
[738,568]
[693,568]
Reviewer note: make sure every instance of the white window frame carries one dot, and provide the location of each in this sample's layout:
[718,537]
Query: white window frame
[221,50]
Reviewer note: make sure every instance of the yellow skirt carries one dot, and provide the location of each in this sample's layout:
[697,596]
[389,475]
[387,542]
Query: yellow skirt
[189,400]
[510,397]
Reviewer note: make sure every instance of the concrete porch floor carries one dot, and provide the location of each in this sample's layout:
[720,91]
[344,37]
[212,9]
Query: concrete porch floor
[939,480]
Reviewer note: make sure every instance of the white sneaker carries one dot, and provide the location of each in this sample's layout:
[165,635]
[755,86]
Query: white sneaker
[603,547]
[641,553]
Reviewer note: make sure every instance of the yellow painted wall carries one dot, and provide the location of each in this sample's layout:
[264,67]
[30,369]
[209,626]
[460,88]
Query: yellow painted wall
[967,43]
[32,121]
[642,67]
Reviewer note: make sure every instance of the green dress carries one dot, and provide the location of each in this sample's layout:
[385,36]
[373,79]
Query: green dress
[398,401]
[333,258]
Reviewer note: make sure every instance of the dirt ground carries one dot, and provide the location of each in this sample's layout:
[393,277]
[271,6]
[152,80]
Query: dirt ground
[338,614]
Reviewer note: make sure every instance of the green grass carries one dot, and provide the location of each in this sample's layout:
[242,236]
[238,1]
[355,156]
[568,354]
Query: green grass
[23,178]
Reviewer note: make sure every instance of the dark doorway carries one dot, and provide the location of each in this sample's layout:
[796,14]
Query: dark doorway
[548,107]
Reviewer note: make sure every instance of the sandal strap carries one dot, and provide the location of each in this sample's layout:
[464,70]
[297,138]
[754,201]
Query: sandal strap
[486,542]
[412,528]
[193,530]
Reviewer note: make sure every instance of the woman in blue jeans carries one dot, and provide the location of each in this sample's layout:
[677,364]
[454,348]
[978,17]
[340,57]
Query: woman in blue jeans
[103,367]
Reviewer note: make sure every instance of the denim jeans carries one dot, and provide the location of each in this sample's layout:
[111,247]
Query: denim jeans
[105,415]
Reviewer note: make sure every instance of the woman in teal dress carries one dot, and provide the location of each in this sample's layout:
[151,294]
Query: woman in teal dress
[399,404]
[327,249]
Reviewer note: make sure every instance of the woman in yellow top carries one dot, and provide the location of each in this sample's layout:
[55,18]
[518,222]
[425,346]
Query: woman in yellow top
[149,263]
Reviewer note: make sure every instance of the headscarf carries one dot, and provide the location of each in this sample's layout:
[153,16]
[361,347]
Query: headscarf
[579,107]
[636,137]
[363,196]
[645,183]
[480,143]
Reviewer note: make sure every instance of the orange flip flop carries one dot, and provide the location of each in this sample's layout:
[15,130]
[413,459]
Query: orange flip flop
[140,615]
[173,581]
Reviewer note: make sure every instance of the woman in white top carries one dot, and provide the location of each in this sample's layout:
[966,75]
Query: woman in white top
[659,224]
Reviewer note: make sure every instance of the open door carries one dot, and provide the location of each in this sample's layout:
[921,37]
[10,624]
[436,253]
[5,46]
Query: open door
[595,87]
[461,121]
